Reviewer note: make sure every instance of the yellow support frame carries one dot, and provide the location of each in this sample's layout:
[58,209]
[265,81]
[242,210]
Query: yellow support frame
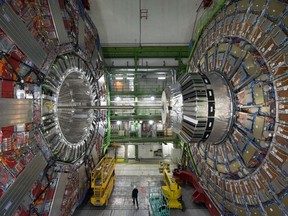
[102,181]
[172,191]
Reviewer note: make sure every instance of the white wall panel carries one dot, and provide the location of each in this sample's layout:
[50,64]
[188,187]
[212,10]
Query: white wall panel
[167,149]
[147,151]
[120,152]
[117,21]
[131,151]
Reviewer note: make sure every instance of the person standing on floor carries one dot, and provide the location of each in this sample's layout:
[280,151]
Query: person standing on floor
[135,196]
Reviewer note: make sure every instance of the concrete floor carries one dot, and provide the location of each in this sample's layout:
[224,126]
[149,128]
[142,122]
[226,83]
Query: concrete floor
[145,176]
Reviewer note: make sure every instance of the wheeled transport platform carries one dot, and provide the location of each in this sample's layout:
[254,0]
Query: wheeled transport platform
[102,181]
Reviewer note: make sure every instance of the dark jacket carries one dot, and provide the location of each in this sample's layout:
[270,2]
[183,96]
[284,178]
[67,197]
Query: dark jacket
[135,193]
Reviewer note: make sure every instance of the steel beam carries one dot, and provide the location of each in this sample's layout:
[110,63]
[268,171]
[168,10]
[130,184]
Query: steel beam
[22,185]
[56,13]
[136,117]
[142,140]
[146,52]
[59,193]
[15,28]
[81,34]
[136,93]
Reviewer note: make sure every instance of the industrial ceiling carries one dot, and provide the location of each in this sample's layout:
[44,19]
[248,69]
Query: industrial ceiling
[144,22]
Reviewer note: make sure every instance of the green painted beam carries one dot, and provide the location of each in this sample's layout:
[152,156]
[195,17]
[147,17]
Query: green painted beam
[188,151]
[146,52]
[108,131]
[136,117]
[143,139]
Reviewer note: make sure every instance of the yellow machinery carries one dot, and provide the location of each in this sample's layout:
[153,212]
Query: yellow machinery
[102,181]
[172,191]
[164,165]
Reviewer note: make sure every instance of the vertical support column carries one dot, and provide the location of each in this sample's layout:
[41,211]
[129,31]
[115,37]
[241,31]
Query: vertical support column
[136,101]
[136,80]
[136,152]
[108,132]
[126,153]
[137,128]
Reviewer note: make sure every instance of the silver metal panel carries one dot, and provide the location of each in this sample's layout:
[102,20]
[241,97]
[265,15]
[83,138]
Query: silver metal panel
[15,111]
[81,34]
[67,129]
[94,155]
[94,58]
[17,31]
[101,130]
[58,22]
[24,182]
[223,108]
[59,193]
[74,123]
[172,102]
